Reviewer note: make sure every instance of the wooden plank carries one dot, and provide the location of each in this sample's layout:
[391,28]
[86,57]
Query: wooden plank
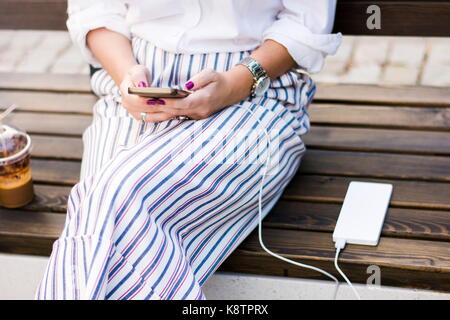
[326,92]
[324,162]
[20,223]
[380,95]
[406,18]
[315,161]
[416,118]
[411,194]
[379,140]
[403,262]
[49,198]
[51,123]
[33,14]
[75,83]
[55,172]
[314,188]
[66,148]
[321,113]
[79,103]
[400,222]
[378,165]
[335,138]
[28,232]
[398,18]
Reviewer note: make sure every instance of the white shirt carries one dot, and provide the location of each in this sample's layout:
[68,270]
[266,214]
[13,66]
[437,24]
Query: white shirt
[203,26]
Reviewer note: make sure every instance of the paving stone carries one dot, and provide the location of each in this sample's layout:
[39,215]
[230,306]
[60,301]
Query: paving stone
[439,53]
[370,60]
[85,69]
[70,62]
[364,73]
[407,52]
[5,38]
[345,50]
[370,50]
[40,58]
[436,75]
[400,75]
[20,44]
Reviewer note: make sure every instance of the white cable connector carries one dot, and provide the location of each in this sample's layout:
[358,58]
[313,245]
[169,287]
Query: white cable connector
[340,244]
[263,175]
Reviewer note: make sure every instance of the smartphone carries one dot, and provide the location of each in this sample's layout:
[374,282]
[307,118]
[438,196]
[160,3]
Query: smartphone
[158,92]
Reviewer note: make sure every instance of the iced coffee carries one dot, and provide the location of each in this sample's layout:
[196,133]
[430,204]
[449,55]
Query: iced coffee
[16,186]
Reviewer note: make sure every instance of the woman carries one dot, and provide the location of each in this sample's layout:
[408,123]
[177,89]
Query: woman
[169,187]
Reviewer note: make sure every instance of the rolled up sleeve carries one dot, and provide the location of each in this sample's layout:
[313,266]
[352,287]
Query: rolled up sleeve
[304,28]
[87,15]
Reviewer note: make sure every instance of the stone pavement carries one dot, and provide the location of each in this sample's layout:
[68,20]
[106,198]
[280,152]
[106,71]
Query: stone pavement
[369,60]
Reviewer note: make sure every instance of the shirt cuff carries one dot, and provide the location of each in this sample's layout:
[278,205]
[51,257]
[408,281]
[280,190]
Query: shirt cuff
[94,17]
[309,50]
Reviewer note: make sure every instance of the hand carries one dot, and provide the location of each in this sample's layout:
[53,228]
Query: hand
[213,91]
[139,76]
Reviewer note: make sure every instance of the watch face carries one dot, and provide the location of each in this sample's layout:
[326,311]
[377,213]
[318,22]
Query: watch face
[261,86]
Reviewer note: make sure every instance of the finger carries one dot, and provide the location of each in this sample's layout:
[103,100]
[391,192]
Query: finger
[152,116]
[201,79]
[140,76]
[158,117]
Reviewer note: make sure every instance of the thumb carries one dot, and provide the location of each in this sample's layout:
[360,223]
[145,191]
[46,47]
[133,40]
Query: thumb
[140,76]
[201,79]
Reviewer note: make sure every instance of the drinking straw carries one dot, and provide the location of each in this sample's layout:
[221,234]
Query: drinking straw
[3,115]
[7,111]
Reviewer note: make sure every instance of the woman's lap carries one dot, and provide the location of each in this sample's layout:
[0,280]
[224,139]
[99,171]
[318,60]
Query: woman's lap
[160,206]
[180,199]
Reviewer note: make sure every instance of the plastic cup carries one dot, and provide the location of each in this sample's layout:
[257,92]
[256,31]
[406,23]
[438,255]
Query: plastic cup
[16,185]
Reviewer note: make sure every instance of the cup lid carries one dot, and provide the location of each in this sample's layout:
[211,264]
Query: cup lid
[13,143]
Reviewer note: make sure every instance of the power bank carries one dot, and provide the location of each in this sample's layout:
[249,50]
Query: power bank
[362,214]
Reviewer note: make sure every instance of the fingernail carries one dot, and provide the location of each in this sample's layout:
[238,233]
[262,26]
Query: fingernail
[151,102]
[189,85]
[142,84]
[159,101]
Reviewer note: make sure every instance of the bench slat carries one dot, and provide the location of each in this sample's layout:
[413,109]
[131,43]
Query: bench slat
[55,171]
[45,82]
[78,103]
[381,165]
[379,140]
[357,139]
[381,116]
[336,163]
[49,198]
[355,93]
[407,18]
[413,194]
[51,123]
[403,262]
[378,95]
[321,113]
[316,188]
[68,148]
[400,222]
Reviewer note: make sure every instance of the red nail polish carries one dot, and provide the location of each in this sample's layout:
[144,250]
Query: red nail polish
[142,84]
[189,85]
[151,102]
[160,101]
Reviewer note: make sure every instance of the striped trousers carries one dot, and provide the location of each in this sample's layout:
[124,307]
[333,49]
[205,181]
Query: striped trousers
[159,206]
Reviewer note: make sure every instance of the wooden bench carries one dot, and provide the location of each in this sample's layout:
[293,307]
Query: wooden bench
[399,135]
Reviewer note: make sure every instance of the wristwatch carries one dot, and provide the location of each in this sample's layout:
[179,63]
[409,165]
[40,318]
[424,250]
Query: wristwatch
[261,81]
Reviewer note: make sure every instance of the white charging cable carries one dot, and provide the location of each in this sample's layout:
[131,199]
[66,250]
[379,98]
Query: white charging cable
[340,244]
[263,175]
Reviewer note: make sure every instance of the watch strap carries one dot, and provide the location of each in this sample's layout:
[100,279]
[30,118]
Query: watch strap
[256,70]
